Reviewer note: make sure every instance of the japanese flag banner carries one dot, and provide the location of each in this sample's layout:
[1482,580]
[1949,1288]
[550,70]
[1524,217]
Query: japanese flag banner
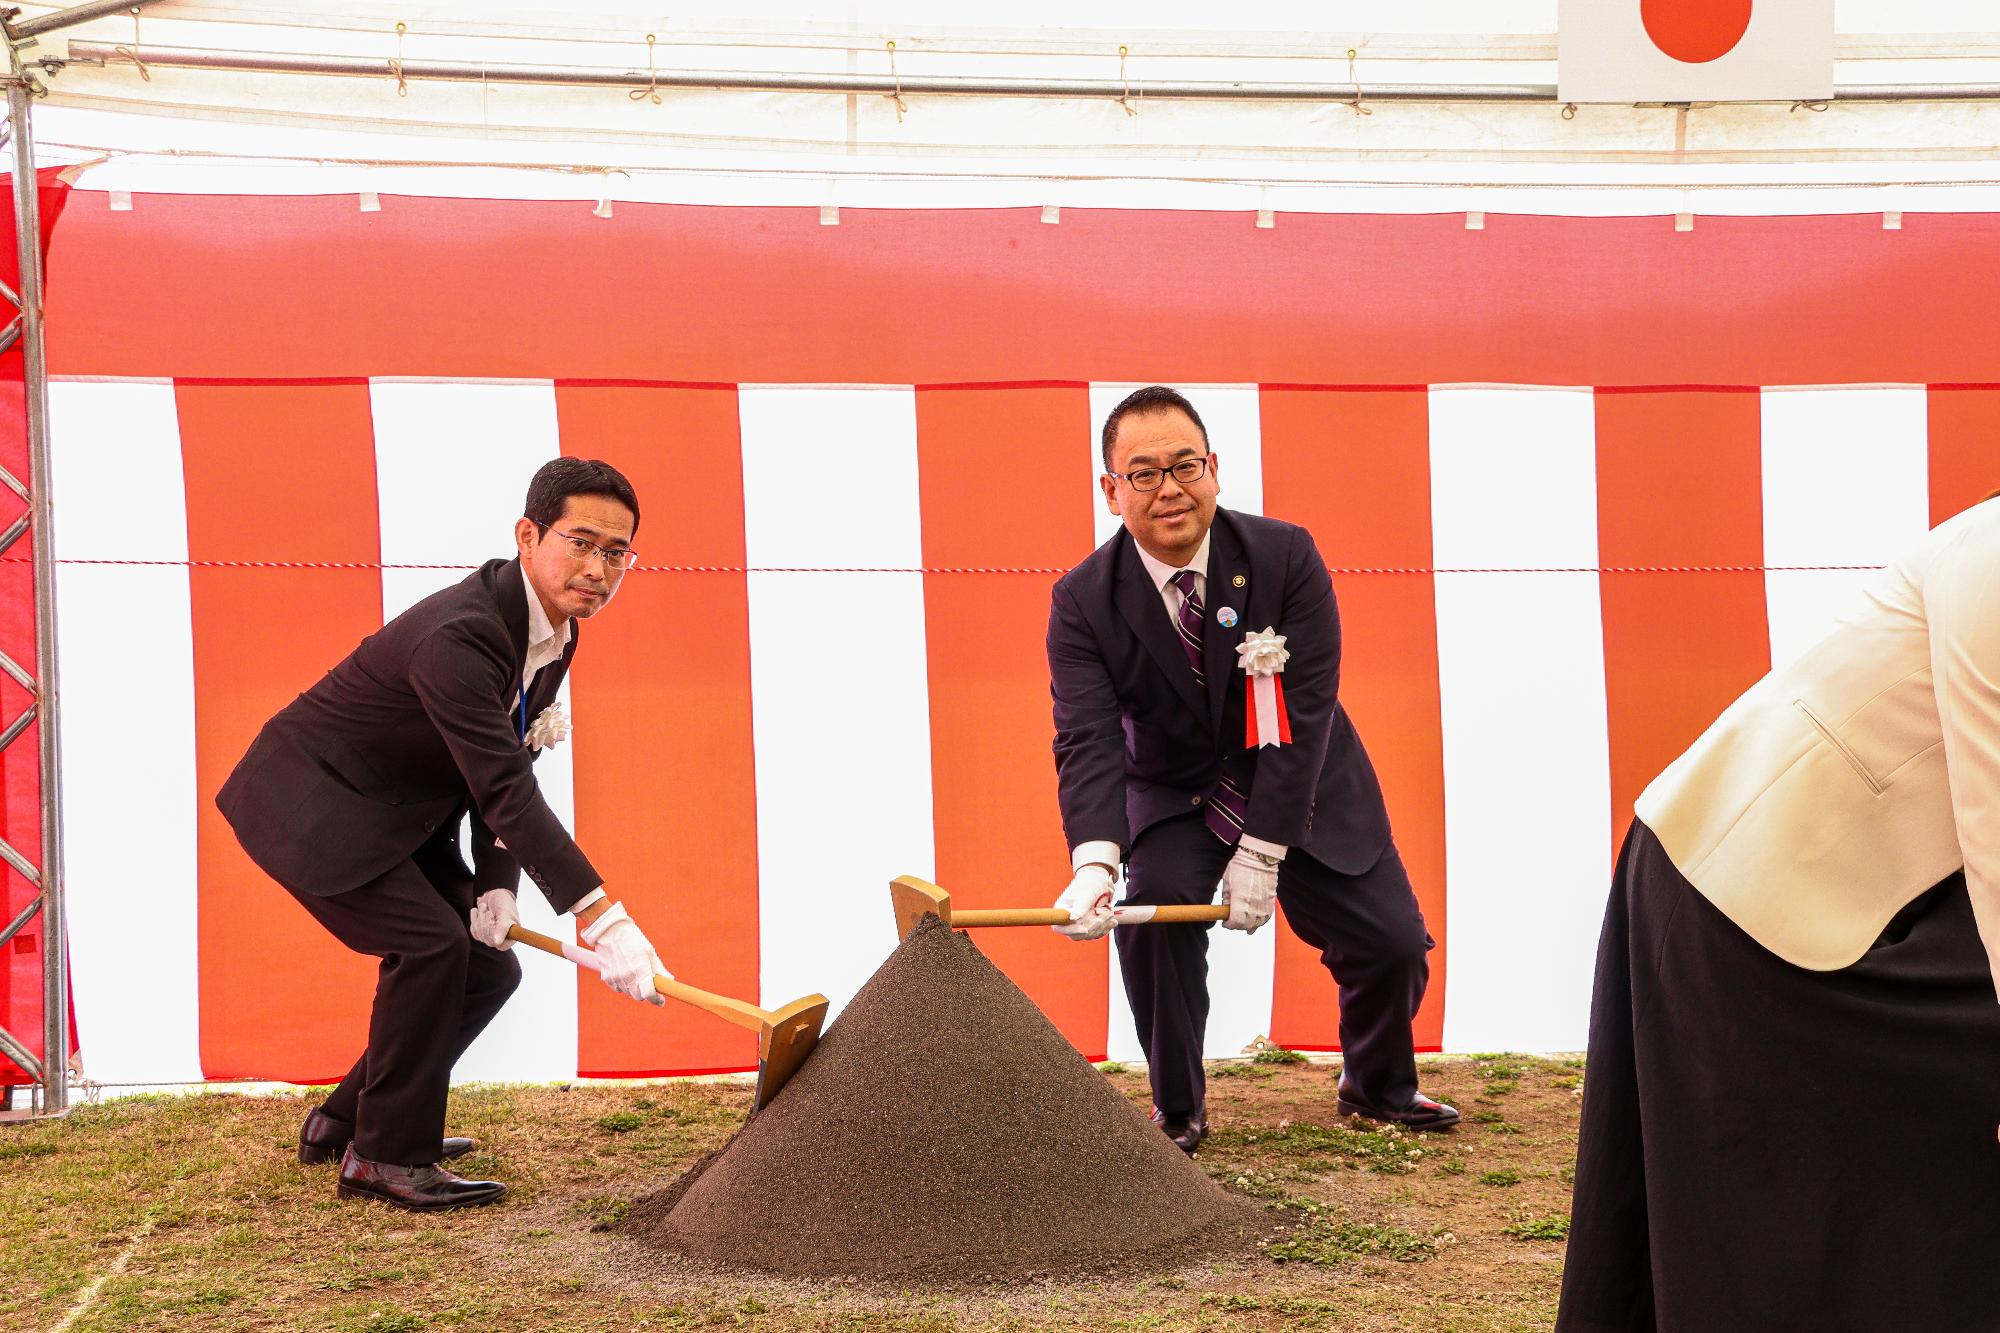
[1694,50]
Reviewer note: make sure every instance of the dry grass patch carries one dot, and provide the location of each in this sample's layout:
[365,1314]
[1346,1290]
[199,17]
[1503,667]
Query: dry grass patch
[1373,1228]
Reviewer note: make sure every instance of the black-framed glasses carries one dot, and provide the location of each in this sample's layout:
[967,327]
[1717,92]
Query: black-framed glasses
[615,557]
[1186,472]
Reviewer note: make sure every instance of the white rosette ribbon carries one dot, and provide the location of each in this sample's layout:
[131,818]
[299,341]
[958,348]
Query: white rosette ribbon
[1263,656]
[551,728]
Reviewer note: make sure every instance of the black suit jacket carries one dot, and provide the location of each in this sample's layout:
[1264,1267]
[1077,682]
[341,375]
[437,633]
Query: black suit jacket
[415,728]
[1137,741]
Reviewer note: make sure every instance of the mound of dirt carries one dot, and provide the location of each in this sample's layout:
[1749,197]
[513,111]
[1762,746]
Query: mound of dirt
[944,1130]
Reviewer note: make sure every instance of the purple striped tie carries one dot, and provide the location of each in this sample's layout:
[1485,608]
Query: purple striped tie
[1226,806]
[1188,622]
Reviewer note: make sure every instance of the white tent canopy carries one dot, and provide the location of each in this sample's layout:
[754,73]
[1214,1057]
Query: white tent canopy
[158,127]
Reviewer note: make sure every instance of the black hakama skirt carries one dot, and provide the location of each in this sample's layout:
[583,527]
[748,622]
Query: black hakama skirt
[1765,1147]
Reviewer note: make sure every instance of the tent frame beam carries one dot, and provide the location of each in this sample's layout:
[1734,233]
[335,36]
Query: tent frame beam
[595,76]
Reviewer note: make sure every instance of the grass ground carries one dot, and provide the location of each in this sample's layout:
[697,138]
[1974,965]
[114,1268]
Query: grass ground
[193,1215]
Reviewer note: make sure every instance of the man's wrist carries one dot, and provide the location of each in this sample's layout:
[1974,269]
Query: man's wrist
[1101,852]
[590,907]
[1270,853]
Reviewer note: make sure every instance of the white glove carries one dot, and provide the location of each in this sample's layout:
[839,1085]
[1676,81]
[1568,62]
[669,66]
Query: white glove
[492,915]
[624,958]
[1248,887]
[1088,902]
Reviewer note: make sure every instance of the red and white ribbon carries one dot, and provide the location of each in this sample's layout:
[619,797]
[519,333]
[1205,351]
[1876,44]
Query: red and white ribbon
[1263,655]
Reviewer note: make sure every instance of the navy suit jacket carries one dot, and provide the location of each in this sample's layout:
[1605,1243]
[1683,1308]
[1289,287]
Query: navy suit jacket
[414,729]
[1137,741]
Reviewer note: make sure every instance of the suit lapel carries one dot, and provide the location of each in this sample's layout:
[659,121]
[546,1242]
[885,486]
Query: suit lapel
[510,594]
[1146,612]
[1227,562]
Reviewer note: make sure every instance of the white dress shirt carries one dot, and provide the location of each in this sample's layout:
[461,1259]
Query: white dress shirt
[1107,853]
[1163,573]
[546,645]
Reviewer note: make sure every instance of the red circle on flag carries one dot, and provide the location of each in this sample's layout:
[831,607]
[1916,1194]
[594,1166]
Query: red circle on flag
[1695,31]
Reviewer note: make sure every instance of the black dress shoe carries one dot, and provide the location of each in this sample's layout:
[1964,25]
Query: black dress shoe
[1422,1113]
[1187,1131]
[323,1139]
[420,1189]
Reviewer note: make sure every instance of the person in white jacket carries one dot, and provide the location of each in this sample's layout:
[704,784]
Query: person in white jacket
[1794,1076]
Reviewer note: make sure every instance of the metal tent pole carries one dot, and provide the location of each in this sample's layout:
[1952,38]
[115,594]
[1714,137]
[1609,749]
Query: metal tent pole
[34,369]
[82,51]
[51,1072]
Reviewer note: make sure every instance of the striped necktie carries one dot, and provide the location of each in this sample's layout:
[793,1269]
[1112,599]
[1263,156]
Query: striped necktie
[1226,806]
[1188,622]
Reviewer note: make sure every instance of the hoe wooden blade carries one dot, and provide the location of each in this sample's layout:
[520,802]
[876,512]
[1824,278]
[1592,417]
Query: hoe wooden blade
[914,899]
[784,1038]
[784,1043]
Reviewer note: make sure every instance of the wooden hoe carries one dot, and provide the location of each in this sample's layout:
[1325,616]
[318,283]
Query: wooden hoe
[915,899]
[784,1037]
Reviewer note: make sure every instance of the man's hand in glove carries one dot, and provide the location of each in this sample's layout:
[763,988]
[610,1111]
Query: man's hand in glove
[1088,902]
[492,915]
[1249,887]
[626,960]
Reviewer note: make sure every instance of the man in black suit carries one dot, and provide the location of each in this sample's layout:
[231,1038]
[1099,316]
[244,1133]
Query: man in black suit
[352,795]
[1153,769]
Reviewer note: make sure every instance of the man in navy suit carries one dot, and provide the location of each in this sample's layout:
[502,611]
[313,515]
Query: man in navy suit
[1154,772]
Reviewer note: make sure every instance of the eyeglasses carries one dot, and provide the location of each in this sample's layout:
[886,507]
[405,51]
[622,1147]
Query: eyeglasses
[615,557]
[1186,472]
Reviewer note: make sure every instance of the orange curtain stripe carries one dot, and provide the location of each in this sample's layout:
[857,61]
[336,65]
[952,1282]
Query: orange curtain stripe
[272,472]
[1964,446]
[1353,466]
[1002,473]
[1679,482]
[667,800]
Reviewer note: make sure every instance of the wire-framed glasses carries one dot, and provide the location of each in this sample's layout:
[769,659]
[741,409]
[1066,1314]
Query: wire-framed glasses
[615,557]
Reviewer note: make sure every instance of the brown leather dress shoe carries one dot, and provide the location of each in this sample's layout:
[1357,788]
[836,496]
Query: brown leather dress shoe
[420,1189]
[1423,1113]
[1187,1131]
[323,1139]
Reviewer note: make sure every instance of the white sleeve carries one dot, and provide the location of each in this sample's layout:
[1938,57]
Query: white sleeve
[1962,606]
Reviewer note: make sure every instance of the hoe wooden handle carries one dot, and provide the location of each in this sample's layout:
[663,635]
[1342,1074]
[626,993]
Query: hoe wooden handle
[1052,916]
[739,1012]
[914,899]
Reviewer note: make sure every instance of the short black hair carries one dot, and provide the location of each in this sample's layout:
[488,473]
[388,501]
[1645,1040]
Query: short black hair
[559,478]
[1144,402]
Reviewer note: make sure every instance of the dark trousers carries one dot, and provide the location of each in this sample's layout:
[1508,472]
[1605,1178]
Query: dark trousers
[436,991]
[1367,927]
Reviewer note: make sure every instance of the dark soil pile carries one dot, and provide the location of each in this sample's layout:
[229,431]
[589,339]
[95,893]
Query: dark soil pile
[944,1130]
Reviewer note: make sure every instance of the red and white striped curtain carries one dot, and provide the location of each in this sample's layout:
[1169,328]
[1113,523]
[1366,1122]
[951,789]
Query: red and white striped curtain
[1581,482]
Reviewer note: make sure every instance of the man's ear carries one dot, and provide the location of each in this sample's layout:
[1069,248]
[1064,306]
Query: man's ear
[524,536]
[1109,485]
